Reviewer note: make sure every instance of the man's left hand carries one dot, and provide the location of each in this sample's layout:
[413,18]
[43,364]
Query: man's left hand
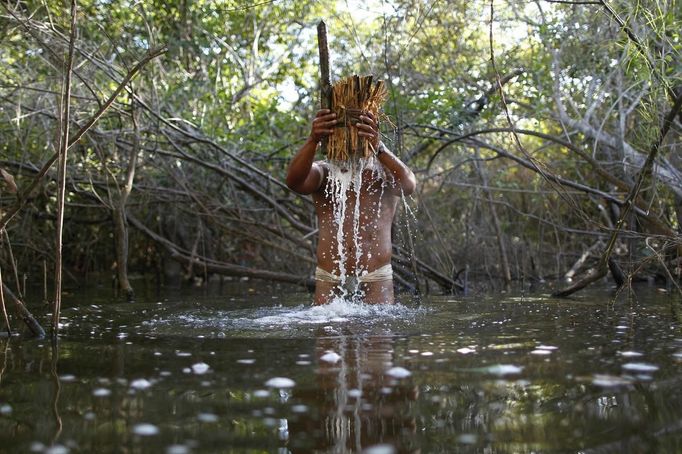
[367,127]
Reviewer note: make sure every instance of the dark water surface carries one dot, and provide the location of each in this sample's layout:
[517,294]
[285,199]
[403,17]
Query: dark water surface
[271,374]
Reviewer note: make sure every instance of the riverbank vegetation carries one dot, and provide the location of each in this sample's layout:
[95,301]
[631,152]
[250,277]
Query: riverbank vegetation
[544,135]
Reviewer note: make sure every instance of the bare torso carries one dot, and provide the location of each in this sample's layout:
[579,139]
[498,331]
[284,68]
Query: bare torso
[366,235]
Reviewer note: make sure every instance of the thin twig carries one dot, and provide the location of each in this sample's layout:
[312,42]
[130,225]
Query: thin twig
[63,148]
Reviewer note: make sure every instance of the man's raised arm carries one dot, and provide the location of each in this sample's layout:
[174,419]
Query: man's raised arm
[304,175]
[405,182]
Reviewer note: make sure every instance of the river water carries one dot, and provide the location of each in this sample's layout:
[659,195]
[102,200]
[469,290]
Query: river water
[269,373]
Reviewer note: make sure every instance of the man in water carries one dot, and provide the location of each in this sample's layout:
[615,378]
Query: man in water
[355,202]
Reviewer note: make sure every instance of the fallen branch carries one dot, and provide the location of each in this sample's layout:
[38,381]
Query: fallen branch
[602,268]
[228,269]
[23,313]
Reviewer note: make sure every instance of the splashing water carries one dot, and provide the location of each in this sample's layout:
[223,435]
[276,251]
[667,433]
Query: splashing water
[294,318]
[346,177]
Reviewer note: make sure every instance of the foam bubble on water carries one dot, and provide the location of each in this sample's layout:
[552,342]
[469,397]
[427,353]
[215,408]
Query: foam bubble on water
[200,368]
[5,409]
[330,357]
[207,417]
[101,392]
[246,361]
[467,439]
[140,383]
[145,429]
[609,380]
[630,354]
[640,367]
[466,350]
[67,378]
[356,393]
[398,372]
[540,352]
[503,369]
[280,382]
[177,449]
[380,449]
[37,446]
[546,347]
[57,449]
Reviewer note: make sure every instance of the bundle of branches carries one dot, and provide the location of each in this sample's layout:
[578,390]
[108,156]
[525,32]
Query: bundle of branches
[350,98]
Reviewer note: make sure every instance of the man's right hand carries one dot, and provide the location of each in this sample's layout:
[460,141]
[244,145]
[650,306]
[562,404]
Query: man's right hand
[323,124]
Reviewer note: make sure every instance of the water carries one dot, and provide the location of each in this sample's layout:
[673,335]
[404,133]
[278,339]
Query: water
[347,177]
[270,374]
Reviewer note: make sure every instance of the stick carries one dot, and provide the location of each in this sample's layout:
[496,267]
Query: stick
[4,309]
[12,261]
[24,195]
[325,74]
[63,148]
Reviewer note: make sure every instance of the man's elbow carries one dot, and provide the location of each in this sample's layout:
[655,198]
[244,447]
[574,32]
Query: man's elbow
[291,182]
[409,184]
[297,186]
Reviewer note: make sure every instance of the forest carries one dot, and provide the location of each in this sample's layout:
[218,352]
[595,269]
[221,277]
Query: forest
[150,140]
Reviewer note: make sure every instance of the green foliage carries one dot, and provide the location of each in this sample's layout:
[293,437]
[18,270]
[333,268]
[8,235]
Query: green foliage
[245,78]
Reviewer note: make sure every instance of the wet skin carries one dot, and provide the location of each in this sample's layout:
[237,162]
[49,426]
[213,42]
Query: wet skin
[372,248]
[378,200]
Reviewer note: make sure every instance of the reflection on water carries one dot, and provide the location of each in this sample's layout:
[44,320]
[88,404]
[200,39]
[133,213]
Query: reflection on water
[209,375]
[358,402]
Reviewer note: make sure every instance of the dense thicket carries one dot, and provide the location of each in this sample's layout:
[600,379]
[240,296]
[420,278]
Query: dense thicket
[183,174]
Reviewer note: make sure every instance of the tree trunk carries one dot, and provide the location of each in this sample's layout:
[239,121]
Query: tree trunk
[121,237]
